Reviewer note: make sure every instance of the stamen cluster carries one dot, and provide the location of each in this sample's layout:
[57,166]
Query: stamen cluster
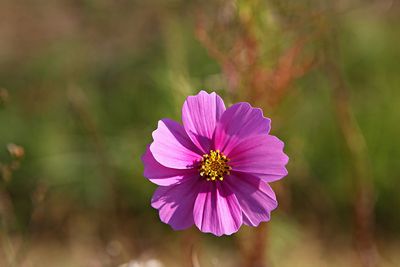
[214,165]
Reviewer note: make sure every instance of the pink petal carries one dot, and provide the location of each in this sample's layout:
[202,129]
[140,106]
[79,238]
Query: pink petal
[175,203]
[172,147]
[239,121]
[255,197]
[200,114]
[216,210]
[260,155]
[162,175]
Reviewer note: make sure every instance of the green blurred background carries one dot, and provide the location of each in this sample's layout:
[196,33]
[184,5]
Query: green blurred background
[83,84]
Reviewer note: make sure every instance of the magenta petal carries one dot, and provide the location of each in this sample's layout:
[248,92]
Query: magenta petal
[216,210]
[172,147]
[175,203]
[239,121]
[162,175]
[200,114]
[255,197]
[260,155]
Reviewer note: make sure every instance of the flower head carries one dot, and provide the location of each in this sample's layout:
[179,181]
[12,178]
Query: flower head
[213,171]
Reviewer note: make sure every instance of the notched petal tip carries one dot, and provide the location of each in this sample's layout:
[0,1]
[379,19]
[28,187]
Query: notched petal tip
[256,198]
[217,210]
[200,114]
[175,204]
[238,122]
[281,145]
[261,156]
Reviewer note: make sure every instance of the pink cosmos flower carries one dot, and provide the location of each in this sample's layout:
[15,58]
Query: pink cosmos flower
[214,170]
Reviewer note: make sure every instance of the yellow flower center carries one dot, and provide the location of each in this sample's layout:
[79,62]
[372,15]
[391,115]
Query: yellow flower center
[214,165]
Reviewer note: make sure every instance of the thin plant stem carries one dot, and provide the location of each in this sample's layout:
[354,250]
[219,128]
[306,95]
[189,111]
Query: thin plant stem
[257,255]
[356,148]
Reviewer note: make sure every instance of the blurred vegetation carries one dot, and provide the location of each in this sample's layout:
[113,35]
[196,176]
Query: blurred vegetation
[83,84]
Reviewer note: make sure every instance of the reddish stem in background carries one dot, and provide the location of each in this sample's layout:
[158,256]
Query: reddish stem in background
[257,256]
[363,201]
